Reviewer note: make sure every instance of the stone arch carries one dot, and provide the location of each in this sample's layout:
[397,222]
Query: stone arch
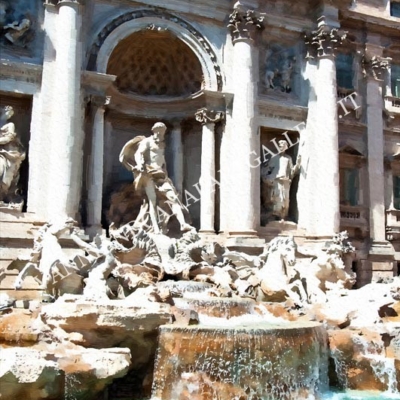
[134,21]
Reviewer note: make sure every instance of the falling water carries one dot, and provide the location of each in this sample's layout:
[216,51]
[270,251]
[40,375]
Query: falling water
[258,361]
[383,367]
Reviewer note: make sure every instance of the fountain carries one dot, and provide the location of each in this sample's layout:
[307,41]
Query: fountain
[237,353]
[243,362]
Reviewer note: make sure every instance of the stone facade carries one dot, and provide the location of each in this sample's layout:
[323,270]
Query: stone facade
[229,81]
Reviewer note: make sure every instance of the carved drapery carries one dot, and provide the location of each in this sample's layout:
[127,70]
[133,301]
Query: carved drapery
[243,23]
[375,67]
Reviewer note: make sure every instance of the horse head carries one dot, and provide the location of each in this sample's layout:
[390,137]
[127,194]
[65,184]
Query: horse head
[285,246]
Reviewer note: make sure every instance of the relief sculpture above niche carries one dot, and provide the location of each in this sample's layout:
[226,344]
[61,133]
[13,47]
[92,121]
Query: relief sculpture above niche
[16,22]
[278,69]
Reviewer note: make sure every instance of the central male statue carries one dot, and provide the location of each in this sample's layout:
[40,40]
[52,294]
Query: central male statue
[277,177]
[145,158]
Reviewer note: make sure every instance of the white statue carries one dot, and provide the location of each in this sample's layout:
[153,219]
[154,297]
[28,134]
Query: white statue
[276,178]
[286,74]
[269,78]
[16,30]
[145,158]
[48,263]
[11,155]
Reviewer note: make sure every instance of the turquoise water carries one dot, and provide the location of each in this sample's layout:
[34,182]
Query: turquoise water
[361,395]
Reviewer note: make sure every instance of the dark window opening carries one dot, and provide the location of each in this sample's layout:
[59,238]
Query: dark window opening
[395,9]
[344,71]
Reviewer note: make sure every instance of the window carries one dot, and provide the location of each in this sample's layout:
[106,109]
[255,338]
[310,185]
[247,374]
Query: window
[395,72]
[344,71]
[395,9]
[396,192]
[349,186]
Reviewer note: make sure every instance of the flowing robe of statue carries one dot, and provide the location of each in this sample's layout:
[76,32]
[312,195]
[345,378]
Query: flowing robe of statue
[11,156]
[277,177]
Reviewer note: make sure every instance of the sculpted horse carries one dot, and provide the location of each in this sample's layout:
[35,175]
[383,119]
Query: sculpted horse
[48,264]
[275,276]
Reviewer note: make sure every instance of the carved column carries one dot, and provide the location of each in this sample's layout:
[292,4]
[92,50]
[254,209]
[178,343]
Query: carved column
[177,156]
[375,68]
[244,139]
[95,170]
[207,178]
[67,131]
[322,165]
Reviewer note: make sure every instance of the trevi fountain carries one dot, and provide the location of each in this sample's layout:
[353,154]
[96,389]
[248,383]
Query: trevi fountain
[199,201]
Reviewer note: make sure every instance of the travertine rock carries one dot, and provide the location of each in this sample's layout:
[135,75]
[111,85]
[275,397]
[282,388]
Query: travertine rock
[123,322]
[61,372]
[27,374]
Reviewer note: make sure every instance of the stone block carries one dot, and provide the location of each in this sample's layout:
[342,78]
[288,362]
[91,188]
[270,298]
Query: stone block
[383,265]
[379,275]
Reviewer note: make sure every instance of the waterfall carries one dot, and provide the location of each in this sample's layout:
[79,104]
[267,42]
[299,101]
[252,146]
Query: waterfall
[263,361]
[383,367]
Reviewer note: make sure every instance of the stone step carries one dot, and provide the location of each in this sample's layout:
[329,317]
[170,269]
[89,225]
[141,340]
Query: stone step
[17,230]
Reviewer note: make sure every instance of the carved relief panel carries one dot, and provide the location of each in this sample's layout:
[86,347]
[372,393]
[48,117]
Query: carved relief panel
[279,69]
[17,22]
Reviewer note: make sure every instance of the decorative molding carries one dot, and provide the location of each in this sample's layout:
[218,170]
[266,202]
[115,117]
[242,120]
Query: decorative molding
[153,13]
[155,28]
[96,84]
[324,41]
[375,67]
[244,23]
[205,116]
[24,72]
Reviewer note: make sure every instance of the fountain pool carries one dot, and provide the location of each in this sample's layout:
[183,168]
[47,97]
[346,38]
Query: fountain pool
[256,361]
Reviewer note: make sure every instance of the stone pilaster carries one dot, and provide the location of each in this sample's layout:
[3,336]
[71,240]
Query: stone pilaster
[41,132]
[95,170]
[245,140]
[208,119]
[66,124]
[177,156]
[375,68]
[321,169]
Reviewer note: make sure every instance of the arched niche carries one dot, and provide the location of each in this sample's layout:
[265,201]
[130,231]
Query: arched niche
[127,24]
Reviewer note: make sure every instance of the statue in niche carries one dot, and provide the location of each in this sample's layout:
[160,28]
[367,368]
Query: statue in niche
[12,154]
[286,74]
[17,30]
[276,177]
[145,158]
[279,69]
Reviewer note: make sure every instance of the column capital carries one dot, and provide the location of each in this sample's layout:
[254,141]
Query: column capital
[324,41]
[244,23]
[375,67]
[60,2]
[99,100]
[205,116]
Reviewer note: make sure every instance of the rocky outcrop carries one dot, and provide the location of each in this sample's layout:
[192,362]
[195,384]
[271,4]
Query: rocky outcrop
[63,372]
[75,348]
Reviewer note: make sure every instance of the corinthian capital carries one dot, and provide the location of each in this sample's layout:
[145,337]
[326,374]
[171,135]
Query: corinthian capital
[57,2]
[244,23]
[205,116]
[375,66]
[324,41]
